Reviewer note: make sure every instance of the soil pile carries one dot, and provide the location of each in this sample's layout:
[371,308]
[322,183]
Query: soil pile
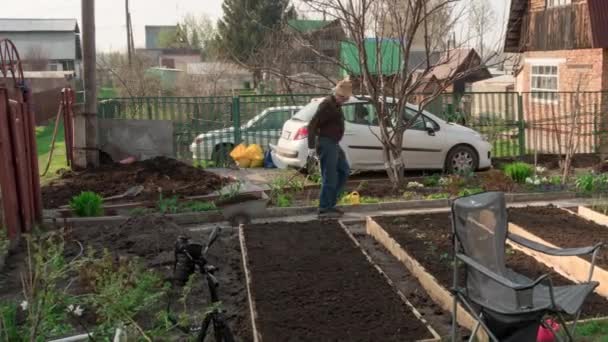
[171,176]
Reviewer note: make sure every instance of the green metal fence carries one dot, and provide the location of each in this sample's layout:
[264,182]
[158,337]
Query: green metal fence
[207,128]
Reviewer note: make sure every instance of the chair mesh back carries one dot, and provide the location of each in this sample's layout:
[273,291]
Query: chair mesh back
[480,224]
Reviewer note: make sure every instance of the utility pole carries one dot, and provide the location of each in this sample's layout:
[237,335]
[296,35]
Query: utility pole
[129,32]
[86,152]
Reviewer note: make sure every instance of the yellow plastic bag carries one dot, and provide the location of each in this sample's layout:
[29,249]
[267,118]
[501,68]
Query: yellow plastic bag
[244,163]
[255,153]
[238,152]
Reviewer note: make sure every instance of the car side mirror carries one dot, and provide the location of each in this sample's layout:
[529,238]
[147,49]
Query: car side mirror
[430,128]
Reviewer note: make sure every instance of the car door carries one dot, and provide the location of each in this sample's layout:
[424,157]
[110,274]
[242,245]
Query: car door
[361,137]
[267,129]
[423,143]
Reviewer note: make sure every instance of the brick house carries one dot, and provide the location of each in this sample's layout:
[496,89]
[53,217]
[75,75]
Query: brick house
[562,69]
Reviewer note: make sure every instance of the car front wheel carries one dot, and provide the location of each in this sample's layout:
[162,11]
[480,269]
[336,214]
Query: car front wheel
[462,159]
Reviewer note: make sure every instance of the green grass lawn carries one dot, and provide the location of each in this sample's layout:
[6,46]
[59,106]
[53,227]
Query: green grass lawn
[44,136]
[594,331]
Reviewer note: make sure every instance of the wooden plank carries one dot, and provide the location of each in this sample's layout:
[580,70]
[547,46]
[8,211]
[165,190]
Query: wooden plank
[390,282]
[257,336]
[593,215]
[573,268]
[438,293]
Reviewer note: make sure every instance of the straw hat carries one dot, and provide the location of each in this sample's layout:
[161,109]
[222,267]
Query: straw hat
[344,88]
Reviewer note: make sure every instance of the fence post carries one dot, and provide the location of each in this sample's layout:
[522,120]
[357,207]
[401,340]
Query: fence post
[521,124]
[236,118]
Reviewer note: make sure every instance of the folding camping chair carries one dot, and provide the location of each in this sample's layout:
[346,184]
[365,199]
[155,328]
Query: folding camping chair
[508,305]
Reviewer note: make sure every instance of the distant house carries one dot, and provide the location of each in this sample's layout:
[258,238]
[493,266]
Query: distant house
[169,58]
[564,51]
[449,65]
[45,44]
[324,37]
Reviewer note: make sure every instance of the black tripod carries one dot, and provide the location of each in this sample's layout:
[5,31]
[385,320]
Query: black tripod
[188,258]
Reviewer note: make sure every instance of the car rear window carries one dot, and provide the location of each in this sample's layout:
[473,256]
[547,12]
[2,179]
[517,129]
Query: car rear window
[305,114]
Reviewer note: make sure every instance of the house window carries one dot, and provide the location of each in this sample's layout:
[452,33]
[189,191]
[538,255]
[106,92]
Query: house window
[556,3]
[544,82]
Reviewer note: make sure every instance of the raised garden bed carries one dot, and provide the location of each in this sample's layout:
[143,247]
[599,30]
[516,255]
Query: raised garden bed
[377,191]
[151,239]
[560,228]
[170,176]
[423,243]
[310,282]
[596,213]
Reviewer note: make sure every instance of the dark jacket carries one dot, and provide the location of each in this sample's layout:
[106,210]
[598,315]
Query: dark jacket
[327,122]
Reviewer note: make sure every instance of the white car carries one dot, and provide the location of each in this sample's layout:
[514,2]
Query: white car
[264,129]
[430,144]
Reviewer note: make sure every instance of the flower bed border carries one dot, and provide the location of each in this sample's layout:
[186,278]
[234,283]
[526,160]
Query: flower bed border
[216,216]
[573,268]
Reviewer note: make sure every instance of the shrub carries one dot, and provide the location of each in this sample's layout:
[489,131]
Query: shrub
[519,171]
[198,206]
[438,196]
[591,182]
[167,205]
[87,204]
[432,181]
[469,192]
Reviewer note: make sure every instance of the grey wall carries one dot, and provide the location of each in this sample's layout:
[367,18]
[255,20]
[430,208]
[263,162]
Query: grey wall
[143,139]
[54,45]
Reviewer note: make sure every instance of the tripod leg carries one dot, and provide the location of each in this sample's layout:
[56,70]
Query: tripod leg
[204,327]
[217,329]
[219,323]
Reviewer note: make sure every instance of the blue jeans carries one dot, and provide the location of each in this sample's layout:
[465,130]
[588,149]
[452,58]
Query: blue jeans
[334,172]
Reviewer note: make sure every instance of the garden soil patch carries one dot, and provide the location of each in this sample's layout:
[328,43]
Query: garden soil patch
[310,282]
[562,229]
[151,240]
[428,239]
[170,175]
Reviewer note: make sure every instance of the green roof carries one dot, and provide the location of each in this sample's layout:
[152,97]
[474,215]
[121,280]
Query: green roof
[306,26]
[390,53]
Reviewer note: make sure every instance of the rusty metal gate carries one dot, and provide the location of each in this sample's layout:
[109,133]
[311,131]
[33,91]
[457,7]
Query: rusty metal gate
[19,180]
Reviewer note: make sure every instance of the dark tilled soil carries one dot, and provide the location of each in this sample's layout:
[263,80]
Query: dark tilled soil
[170,175]
[311,283]
[151,239]
[408,284]
[562,229]
[428,239]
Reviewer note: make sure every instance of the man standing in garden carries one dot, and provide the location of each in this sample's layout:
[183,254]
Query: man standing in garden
[325,131]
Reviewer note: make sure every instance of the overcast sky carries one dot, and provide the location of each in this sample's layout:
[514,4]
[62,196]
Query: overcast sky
[111,28]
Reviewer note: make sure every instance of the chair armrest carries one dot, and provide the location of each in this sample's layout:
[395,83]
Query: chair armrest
[497,277]
[539,247]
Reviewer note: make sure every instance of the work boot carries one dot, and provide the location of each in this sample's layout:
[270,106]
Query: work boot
[338,211]
[329,214]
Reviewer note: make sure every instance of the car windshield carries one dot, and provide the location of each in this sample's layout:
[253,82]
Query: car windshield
[305,114]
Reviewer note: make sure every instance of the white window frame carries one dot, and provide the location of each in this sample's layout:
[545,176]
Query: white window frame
[533,89]
[558,3]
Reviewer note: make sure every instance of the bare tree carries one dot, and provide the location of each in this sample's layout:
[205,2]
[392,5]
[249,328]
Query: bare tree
[131,80]
[482,21]
[438,26]
[389,93]
[568,128]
